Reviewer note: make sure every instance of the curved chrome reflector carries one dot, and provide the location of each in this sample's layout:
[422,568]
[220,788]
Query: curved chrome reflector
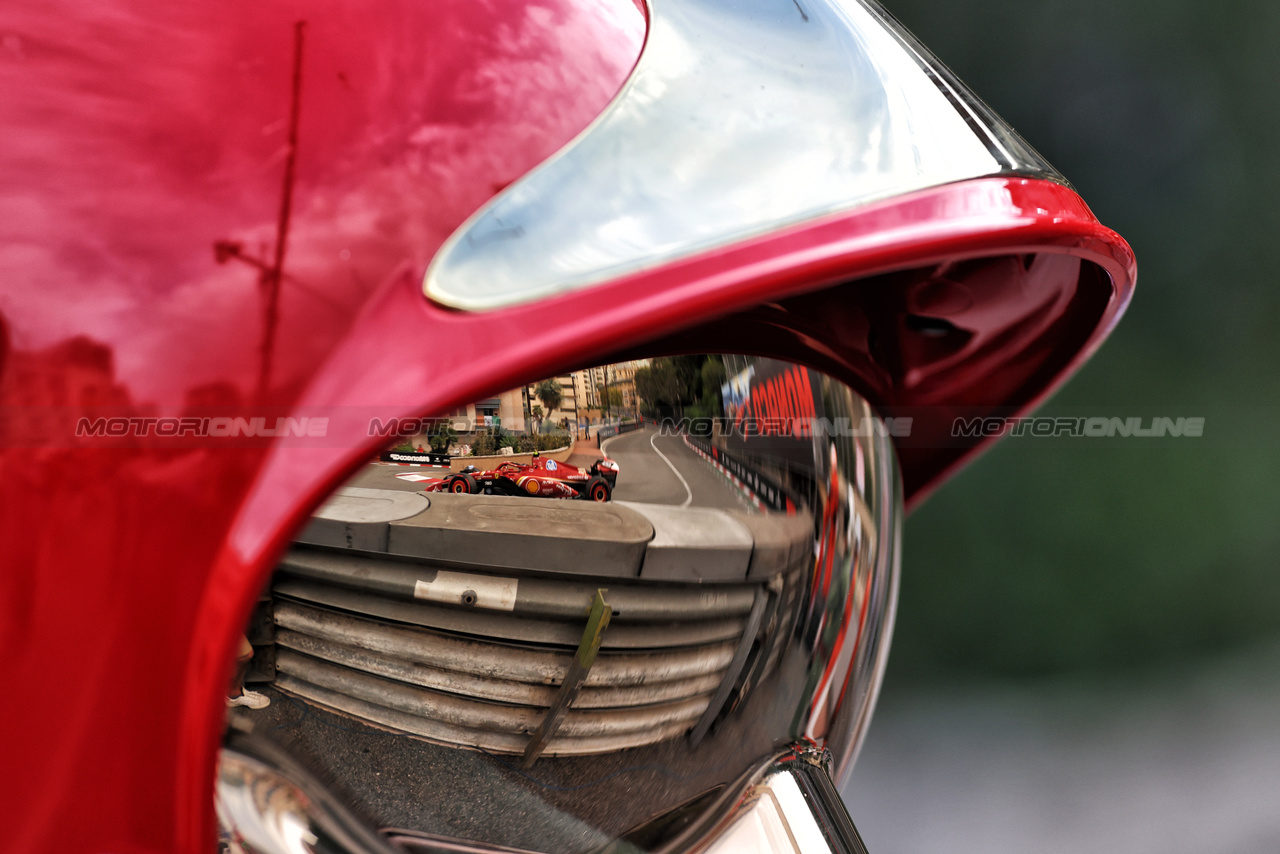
[266,803]
[269,804]
[741,117]
[732,593]
[788,807]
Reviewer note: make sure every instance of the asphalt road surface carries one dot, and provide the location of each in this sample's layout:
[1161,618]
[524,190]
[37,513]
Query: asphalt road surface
[657,469]
[390,476]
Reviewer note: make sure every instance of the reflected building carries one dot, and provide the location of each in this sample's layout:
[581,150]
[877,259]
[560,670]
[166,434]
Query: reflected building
[620,376]
[44,392]
[566,415]
[580,403]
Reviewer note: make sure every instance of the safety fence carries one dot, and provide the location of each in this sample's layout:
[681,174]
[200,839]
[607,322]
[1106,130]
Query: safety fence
[762,489]
[615,428]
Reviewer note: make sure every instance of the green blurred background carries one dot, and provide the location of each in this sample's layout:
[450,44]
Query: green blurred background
[1087,654]
[1062,556]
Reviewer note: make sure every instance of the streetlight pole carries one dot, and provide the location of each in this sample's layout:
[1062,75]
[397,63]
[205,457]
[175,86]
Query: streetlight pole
[607,408]
[270,277]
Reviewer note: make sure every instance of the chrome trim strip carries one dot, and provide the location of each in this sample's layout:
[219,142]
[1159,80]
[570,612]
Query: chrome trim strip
[788,805]
[741,117]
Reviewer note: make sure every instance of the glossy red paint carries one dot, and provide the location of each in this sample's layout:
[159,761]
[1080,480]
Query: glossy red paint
[139,135]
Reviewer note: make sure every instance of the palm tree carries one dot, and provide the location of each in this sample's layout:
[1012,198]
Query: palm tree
[548,391]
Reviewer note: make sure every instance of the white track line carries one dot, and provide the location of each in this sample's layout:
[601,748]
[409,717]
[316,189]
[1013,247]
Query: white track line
[687,490]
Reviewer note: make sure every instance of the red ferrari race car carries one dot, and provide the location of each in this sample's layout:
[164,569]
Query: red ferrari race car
[541,479]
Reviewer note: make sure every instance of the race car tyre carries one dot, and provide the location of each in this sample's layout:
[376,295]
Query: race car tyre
[598,489]
[463,484]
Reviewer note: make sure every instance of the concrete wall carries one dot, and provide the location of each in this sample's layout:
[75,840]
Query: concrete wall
[483,463]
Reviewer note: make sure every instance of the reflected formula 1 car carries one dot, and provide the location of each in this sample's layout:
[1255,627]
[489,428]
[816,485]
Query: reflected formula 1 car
[540,479]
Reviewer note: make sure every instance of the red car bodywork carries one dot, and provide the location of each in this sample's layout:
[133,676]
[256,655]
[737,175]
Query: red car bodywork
[545,479]
[139,135]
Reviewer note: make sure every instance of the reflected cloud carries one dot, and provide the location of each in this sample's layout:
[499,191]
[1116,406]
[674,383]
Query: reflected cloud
[136,137]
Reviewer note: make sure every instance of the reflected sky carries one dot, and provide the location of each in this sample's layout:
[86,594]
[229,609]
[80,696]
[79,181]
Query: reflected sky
[138,133]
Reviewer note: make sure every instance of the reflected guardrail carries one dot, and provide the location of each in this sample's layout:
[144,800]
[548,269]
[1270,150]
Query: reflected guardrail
[615,428]
[763,489]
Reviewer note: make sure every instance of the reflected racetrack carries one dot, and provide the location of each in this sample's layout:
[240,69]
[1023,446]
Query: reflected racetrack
[662,469]
[489,797]
[653,469]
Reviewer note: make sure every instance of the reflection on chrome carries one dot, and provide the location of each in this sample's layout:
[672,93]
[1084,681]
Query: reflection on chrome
[788,806]
[740,117]
[268,804]
[602,661]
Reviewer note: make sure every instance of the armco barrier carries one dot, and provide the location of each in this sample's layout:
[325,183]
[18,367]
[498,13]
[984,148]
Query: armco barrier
[764,489]
[608,431]
[488,462]
[454,617]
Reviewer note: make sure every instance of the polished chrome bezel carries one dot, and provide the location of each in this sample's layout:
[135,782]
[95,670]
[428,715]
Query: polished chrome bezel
[740,118]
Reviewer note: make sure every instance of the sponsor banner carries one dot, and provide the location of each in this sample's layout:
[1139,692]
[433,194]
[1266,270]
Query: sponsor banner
[422,459]
[772,407]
